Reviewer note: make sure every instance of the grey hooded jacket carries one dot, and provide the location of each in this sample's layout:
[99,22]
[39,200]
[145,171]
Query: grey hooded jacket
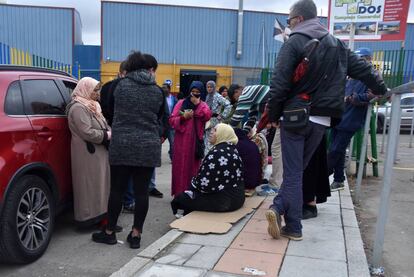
[135,129]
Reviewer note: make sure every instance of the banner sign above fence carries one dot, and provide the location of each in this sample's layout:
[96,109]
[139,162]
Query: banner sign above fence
[374,19]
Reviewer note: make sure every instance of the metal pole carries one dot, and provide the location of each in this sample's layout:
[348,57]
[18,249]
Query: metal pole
[376,115]
[384,129]
[397,134]
[348,165]
[412,130]
[239,31]
[363,153]
[352,37]
[386,190]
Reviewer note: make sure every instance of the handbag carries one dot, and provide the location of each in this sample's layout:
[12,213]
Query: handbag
[199,145]
[296,119]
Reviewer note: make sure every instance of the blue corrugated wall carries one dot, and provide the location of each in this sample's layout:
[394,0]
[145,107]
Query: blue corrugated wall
[88,58]
[192,35]
[45,32]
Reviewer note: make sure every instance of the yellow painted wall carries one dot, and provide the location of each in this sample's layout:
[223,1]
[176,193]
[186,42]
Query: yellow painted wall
[171,72]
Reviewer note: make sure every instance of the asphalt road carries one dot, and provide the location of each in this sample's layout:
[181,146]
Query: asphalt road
[72,253]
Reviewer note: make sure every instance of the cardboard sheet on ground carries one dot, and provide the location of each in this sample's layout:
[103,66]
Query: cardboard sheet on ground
[216,223]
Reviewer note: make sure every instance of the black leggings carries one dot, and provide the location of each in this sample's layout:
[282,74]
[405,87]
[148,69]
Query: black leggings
[141,176]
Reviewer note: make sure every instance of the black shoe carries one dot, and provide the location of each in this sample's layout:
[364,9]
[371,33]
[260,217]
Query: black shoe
[335,186]
[103,237]
[275,223]
[134,242]
[129,209]
[265,181]
[285,232]
[309,211]
[156,193]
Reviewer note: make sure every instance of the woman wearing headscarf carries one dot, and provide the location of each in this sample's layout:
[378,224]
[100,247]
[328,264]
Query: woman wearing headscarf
[251,158]
[135,148]
[89,154]
[220,108]
[188,120]
[219,184]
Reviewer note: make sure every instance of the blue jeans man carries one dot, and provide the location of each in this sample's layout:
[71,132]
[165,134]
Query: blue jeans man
[170,137]
[297,149]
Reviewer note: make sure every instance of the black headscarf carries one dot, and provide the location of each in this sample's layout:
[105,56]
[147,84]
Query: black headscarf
[187,104]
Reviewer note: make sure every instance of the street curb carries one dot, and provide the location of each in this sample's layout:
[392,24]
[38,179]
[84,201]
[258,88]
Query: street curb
[147,255]
[354,246]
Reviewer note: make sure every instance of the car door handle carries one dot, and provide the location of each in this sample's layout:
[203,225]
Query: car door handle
[45,132]
[410,111]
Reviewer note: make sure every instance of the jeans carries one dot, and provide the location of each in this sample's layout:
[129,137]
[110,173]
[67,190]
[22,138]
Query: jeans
[297,149]
[336,157]
[120,175]
[129,197]
[170,137]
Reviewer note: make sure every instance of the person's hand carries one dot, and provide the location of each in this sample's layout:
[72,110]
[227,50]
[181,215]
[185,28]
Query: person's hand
[275,124]
[195,100]
[109,133]
[188,114]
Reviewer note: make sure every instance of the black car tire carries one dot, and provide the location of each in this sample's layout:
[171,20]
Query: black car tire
[26,224]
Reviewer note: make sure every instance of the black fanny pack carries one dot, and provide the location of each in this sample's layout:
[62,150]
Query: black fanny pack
[294,119]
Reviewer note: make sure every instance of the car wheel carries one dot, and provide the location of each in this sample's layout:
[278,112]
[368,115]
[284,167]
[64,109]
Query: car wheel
[27,221]
[380,124]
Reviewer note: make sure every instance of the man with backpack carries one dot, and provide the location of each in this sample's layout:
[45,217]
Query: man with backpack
[307,96]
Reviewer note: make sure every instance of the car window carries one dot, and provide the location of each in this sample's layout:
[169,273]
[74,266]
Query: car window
[14,102]
[42,97]
[407,101]
[69,87]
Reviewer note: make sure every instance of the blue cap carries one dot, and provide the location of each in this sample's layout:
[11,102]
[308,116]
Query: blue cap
[363,51]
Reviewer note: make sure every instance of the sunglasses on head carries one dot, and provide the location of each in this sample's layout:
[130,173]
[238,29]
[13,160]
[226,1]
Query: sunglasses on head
[290,19]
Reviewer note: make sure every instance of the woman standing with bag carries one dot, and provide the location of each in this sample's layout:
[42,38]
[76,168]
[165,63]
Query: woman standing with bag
[89,154]
[188,120]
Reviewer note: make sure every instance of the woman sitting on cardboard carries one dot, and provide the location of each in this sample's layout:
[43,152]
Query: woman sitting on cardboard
[219,185]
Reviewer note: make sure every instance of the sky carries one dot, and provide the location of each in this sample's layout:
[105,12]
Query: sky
[90,9]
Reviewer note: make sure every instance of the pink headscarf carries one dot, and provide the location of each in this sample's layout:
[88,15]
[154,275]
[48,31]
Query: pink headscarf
[83,95]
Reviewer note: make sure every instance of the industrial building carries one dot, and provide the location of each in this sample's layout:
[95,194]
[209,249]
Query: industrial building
[33,34]
[198,43]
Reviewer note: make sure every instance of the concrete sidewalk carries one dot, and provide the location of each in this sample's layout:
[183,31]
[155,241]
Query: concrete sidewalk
[332,246]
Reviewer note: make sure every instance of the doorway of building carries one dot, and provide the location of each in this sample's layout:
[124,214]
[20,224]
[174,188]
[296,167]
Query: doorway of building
[187,76]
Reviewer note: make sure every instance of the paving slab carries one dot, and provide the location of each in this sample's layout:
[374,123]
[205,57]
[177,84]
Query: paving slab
[178,254]
[357,261]
[329,208]
[346,202]
[307,267]
[131,267]
[162,270]
[256,226]
[260,243]
[223,240]
[349,218]
[236,260]
[206,257]
[334,199]
[152,250]
[319,242]
[326,219]
[222,274]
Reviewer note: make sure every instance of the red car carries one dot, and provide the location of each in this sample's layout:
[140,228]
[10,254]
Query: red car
[35,173]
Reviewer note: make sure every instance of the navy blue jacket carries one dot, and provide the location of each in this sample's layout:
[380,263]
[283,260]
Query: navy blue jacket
[355,107]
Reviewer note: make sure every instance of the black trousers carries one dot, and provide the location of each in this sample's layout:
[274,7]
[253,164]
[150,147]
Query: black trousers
[120,176]
[225,201]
